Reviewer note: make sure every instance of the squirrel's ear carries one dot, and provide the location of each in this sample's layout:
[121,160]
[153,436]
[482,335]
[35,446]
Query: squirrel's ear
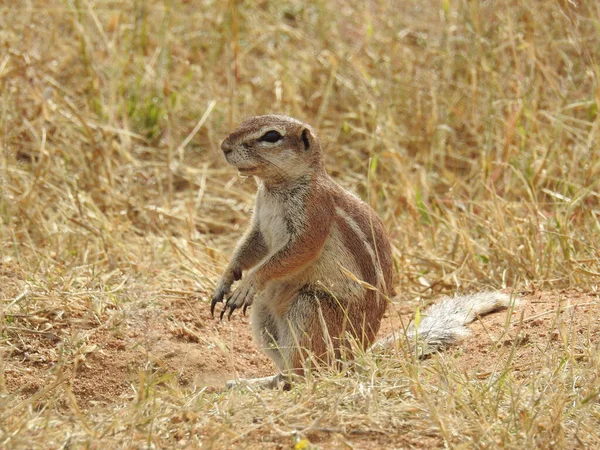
[305,139]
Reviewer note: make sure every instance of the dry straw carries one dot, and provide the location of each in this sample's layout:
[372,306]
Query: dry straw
[472,127]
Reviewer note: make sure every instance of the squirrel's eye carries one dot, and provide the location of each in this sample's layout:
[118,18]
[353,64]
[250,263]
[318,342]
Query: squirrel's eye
[271,136]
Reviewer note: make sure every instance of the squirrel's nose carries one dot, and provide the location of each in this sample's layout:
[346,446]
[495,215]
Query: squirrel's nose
[226,146]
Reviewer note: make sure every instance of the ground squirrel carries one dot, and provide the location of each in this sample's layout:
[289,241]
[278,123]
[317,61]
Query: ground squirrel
[316,260]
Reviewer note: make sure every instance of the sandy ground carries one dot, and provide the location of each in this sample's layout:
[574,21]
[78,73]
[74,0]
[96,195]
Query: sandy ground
[176,335]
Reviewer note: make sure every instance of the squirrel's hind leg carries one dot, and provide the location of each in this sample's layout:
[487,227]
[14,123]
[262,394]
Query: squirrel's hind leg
[267,330]
[316,331]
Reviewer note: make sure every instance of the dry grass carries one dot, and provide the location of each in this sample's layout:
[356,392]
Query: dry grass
[472,127]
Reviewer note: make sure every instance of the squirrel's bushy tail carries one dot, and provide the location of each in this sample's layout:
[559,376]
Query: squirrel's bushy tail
[444,323]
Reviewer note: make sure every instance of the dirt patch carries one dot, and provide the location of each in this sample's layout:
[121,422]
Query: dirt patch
[106,363]
[176,336]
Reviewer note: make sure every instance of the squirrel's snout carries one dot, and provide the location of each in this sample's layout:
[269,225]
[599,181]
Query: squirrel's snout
[226,147]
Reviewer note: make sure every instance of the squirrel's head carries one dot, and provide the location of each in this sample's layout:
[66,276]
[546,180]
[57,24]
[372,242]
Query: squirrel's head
[273,148]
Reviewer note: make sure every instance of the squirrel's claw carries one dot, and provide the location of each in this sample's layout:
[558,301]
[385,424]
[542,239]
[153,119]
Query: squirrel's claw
[214,302]
[229,304]
[241,297]
[232,305]
[223,287]
[232,308]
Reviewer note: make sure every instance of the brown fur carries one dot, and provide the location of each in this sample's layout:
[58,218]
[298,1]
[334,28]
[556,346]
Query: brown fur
[306,247]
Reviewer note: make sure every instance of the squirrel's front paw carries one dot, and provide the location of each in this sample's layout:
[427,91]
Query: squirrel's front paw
[223,287]
[242,296]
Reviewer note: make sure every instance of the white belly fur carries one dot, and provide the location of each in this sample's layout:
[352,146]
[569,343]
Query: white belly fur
[272,225]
